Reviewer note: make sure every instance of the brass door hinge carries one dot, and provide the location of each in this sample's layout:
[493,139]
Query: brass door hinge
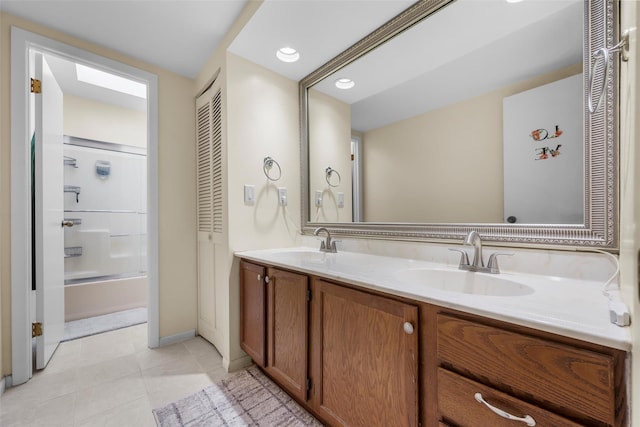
[36,86]
[36,329]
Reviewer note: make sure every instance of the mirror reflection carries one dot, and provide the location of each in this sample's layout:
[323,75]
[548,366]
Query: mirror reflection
[474,115]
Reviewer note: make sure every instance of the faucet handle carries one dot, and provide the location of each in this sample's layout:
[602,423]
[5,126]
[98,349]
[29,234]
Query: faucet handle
[464,257]
[492,265]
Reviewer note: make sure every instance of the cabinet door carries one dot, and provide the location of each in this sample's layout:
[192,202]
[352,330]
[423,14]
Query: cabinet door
[252,311]
[364,355]
[288,330]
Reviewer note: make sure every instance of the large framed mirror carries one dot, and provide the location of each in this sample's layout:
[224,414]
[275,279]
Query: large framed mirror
[468,115]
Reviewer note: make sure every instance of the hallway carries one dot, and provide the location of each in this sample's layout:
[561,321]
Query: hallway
[111,379]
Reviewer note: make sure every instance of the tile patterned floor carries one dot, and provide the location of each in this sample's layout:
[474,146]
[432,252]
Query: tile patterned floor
[111,379]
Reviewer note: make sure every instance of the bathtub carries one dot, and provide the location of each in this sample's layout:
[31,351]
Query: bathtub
[94,298]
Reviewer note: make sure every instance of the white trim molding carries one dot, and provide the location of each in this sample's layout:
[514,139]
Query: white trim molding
[21,43]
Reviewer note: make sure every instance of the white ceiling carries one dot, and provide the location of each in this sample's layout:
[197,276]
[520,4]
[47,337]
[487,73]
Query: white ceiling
[454,56]
[318,29]
[177,35]
[180,35]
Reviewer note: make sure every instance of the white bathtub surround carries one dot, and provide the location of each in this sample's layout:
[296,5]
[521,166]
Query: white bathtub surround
[110,210]
[571,306]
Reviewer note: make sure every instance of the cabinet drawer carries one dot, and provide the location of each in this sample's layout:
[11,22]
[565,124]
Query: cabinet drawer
[574,382]
[457,405]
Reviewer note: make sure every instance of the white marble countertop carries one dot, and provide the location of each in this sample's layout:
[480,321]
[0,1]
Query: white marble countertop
[569,307]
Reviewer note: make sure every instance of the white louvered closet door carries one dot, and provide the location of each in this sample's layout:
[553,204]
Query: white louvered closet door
[209,138]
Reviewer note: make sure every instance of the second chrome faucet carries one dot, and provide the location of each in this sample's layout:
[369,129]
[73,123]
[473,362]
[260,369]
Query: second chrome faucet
[328,245]
[477,262]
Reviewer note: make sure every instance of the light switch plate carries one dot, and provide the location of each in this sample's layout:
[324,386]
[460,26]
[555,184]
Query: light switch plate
[249,194]
[340,199]
[318,198]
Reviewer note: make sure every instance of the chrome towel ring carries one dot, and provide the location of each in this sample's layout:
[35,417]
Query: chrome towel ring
[267,166]
[603,55]
[329,173]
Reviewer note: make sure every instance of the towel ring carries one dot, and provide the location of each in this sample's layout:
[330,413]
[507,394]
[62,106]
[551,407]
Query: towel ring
[603,55]
[328,173]
[267,164]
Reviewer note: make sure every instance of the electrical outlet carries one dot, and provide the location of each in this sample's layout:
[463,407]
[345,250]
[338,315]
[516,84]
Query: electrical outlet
[249,195]
[340,199]
[318,198]
[282,196]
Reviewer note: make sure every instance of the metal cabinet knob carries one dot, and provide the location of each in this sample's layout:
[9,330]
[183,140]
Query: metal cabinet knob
[266,279]
[259,277]
[408,328]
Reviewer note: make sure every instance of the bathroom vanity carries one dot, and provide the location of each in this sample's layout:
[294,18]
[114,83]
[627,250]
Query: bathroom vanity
[360,340]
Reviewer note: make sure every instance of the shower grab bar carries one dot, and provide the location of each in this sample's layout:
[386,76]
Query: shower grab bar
[72,251]
[70,161]
[103,211]
[73,189]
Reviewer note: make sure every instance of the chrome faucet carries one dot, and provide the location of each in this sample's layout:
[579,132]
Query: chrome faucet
[477,263]
[328,245]
[473,239]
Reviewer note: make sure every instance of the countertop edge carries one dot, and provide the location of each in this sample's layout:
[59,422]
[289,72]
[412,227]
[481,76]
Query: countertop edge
[620,340]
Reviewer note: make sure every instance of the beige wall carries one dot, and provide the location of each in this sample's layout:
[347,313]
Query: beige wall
[329,146]
[261,110]
[177,278]
[259,126]
[86,118]
[429,165]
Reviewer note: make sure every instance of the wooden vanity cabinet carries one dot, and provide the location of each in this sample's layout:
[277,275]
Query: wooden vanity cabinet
[555,380]
[355,357]
[253,300]
[288,330]
[364,357]
[274,324]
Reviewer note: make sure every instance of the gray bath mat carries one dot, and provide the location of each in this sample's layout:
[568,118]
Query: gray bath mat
[247,398]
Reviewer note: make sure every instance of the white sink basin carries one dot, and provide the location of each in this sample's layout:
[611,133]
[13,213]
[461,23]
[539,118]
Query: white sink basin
[463,282]
[305,257]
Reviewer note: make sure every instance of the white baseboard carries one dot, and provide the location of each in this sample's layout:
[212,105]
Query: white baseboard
[236,364]
[5,383]
[182,336]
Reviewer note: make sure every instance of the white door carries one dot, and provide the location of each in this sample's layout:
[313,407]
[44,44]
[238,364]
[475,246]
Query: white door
[211,281]
[49,213]
[543,154]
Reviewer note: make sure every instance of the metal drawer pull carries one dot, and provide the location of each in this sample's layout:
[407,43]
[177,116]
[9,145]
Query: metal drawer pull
[528,419]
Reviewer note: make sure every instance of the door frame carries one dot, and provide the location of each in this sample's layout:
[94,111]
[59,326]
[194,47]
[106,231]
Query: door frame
[21,42]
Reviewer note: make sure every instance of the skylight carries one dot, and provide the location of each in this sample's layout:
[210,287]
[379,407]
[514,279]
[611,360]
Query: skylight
[110,81]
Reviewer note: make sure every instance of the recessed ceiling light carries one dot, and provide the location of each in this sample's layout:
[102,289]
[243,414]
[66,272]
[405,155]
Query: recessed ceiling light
[513,1]
[345,83]
[287,54]
[110,81]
